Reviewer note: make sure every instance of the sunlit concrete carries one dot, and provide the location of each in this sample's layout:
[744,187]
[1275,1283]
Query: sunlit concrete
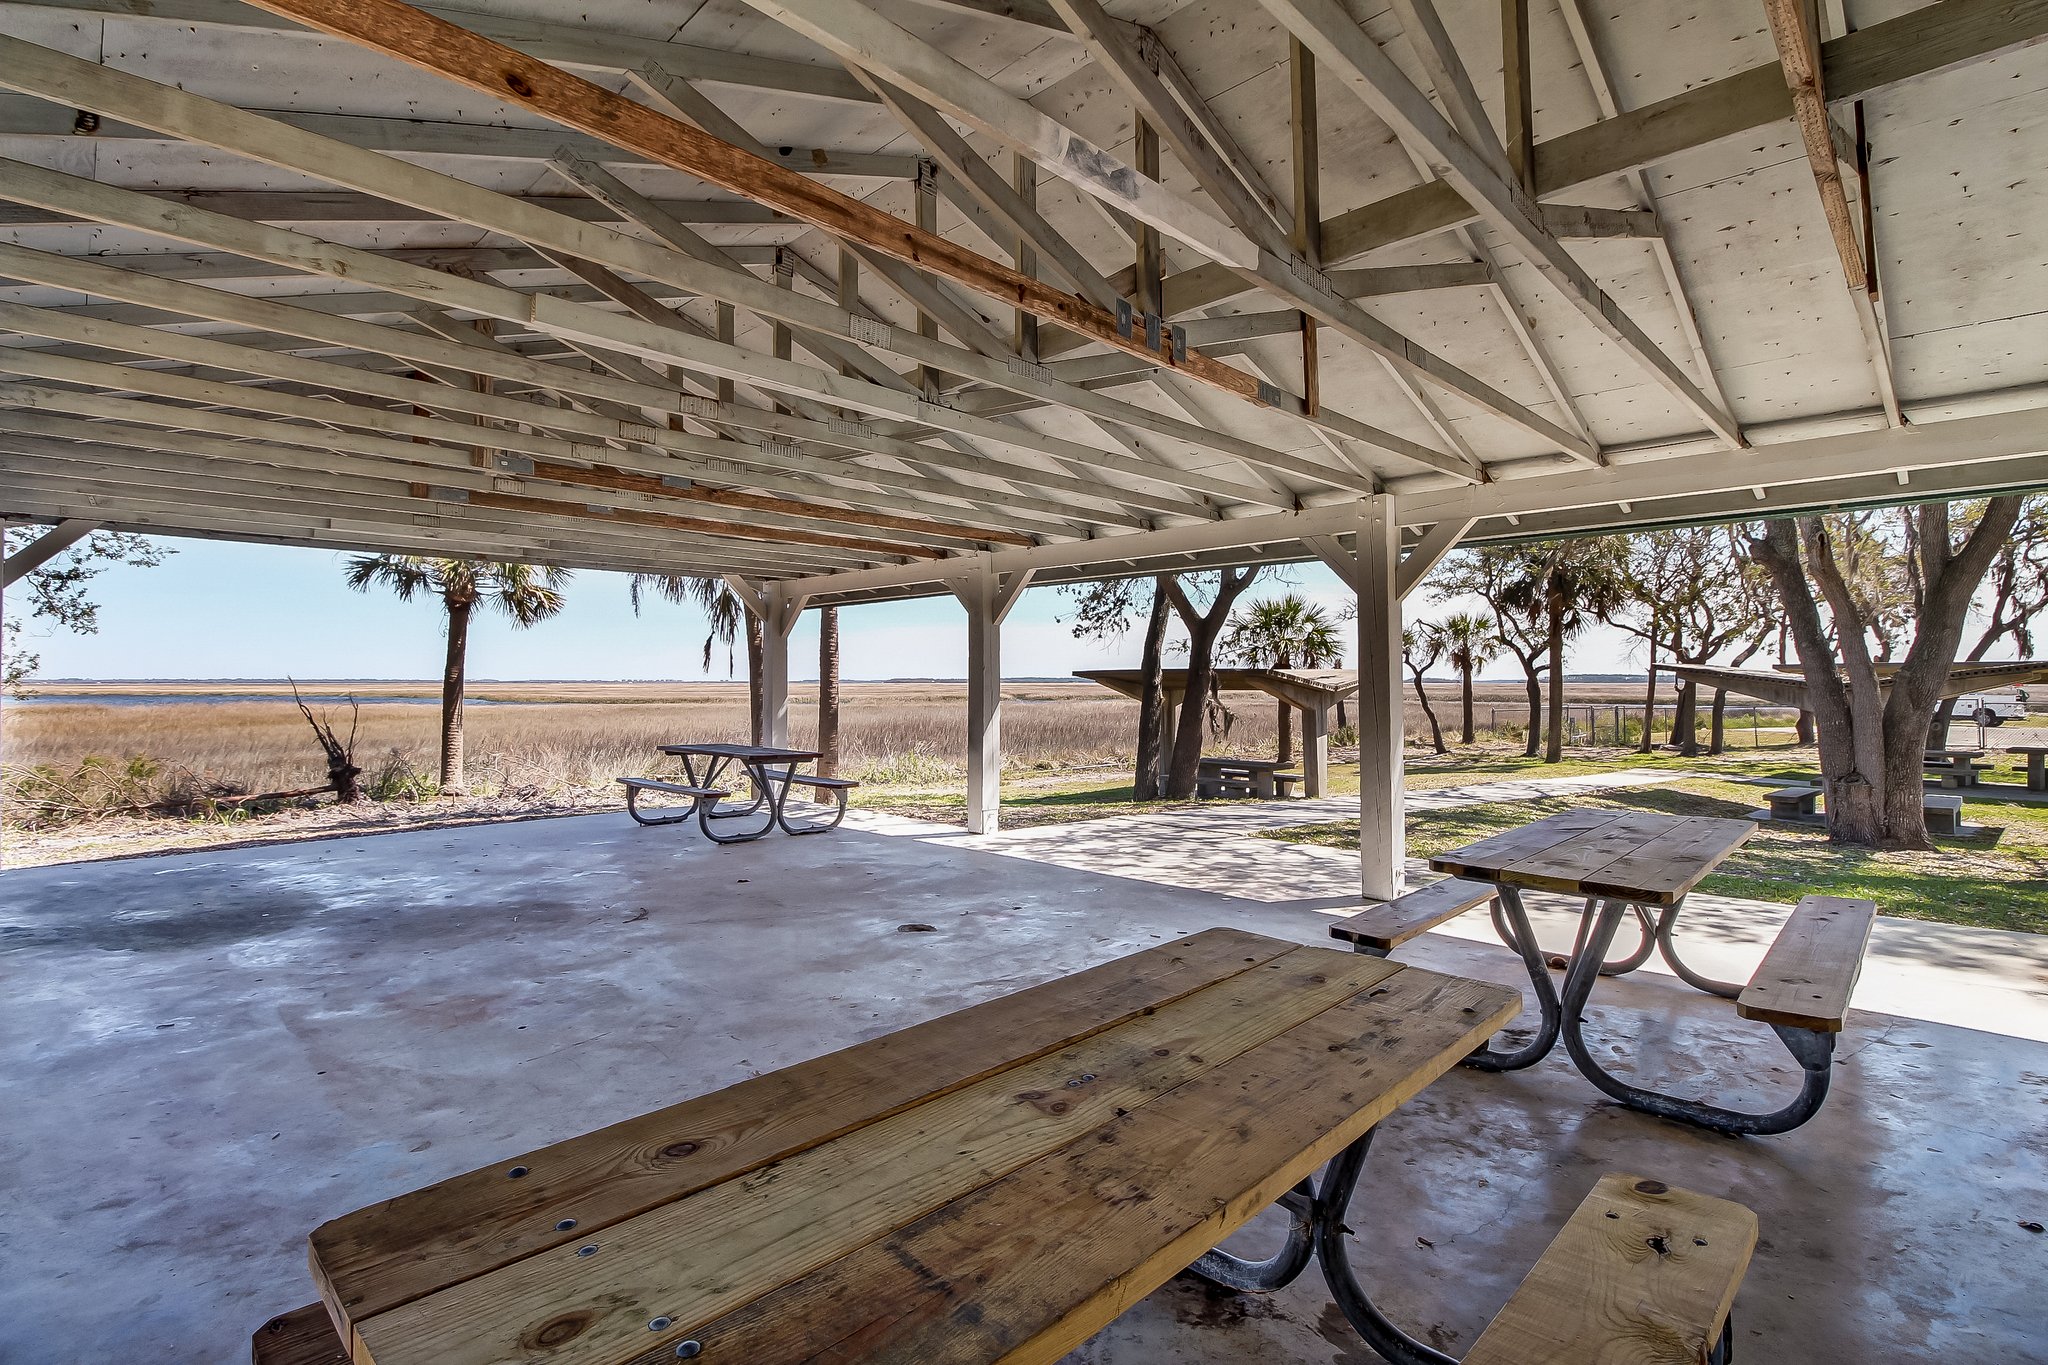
[205,1055]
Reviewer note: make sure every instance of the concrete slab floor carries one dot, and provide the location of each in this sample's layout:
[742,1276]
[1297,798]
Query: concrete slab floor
[204,1056]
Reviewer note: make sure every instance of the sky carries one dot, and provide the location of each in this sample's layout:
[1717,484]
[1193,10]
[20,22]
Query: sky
[222,610]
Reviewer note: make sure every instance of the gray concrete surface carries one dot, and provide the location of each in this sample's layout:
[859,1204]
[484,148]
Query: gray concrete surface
[205,1055]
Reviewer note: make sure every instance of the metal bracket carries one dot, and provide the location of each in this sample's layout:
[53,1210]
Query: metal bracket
[1124,318]
[1271,394]
[1179,336]
[868,332]
[1154,330]
[512,464]
[1024,369]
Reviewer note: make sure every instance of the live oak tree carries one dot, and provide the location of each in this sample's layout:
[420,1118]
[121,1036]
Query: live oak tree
[1691,594]
[1566,585]
[1203,626]
[1487,572]
[525,593]
[58,592]
[1421,647]
[1872,738]
[1105,609]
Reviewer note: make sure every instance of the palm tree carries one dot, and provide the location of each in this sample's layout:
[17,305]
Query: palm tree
[1567,584]
[726,617]
[524,592]
[1471,642]
[828,691]
[1284,632]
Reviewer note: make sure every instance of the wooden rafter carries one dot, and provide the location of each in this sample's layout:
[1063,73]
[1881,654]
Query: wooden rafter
[1357,60]
[1796,30]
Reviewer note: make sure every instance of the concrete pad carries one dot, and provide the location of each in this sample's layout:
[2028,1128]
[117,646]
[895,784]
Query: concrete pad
[207,1055]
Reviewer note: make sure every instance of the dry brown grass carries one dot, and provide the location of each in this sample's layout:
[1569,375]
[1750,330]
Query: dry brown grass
[550,739]
[887,730]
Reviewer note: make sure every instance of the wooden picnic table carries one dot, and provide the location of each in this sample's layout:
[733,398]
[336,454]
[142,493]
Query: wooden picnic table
[770,772]
[1625,863]
[994,1185]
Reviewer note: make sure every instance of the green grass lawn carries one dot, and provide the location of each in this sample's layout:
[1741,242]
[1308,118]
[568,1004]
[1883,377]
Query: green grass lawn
[1999,881]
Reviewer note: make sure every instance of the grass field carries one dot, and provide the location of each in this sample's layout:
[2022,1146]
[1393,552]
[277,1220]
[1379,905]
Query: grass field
[1999,881]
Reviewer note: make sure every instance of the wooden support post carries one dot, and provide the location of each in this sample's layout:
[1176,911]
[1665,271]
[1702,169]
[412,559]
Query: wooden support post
[1024,178]
[979,591]
[1306,235]
[776,623]
[1517,90]
[1315,749]
[1150,293]
[1382,715]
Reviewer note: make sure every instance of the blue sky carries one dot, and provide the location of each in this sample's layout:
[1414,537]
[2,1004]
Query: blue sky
[221,610]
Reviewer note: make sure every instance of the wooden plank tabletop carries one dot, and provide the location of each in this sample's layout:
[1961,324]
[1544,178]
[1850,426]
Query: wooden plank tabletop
[994,1185]
[1635,856]
[743,752]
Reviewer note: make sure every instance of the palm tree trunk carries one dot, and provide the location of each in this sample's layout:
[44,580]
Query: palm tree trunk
[1553,743]
[1467,734]
[1286,728]
[757,698]
[828,691]
[452,677]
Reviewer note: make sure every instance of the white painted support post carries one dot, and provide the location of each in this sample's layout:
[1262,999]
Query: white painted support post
[1315,748]
[1372,569]
[777,610]
[988,597]
[45,548]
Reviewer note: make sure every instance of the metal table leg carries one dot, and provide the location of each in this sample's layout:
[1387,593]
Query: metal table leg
[1646,945]
[1523,939]
[1813,1051]
[1276,1271]
[710,811]
[1669,950]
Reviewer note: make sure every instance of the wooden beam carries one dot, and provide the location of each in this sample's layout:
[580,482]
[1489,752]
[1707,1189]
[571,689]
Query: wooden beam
[1914,45]
[440,137]
[1345,48]
[1574,221]
[434,45]
[1518,92]
[580,323]
[778,452]
[1796,31]
[347,206]
[579,44]
[1117,56]
[43,549]
[860,37]
[1438,541]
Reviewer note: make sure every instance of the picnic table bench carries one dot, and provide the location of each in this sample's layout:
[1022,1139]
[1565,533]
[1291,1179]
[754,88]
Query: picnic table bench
[1627,864]
[1799,805]
[1254,777]
[996,1185]
[769,773]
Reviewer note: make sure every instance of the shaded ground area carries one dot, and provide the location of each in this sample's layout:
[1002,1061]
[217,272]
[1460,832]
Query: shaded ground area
[225,1049]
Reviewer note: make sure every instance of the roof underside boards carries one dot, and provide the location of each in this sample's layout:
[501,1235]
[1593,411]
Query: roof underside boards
[456,379]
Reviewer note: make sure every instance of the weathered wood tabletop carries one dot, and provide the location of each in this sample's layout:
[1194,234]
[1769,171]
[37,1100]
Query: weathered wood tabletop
[994,1185]
[1633,856]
